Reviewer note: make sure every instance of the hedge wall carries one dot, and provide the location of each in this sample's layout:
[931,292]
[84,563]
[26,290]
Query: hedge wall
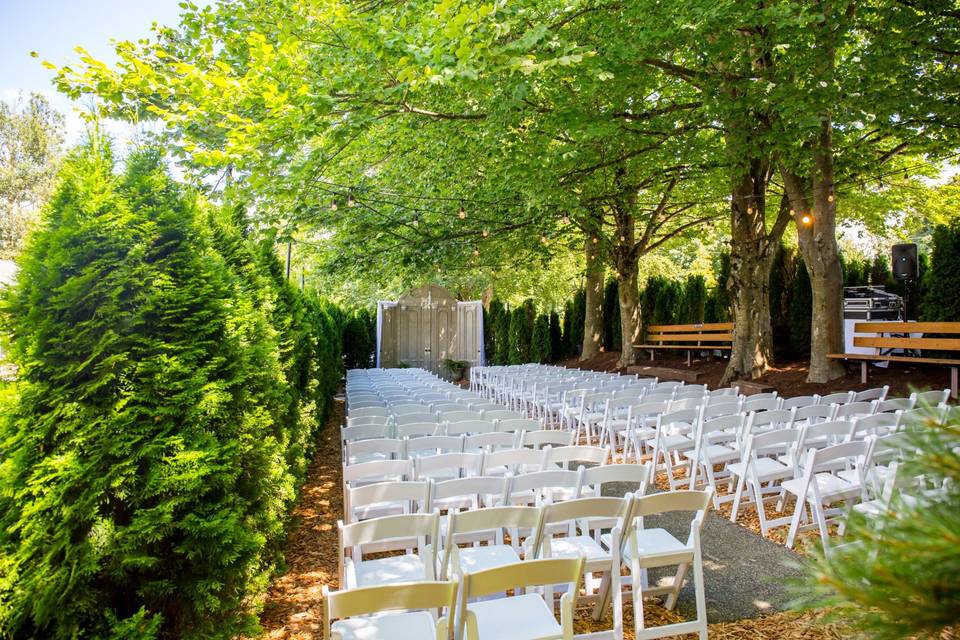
[171,386]
[941,282]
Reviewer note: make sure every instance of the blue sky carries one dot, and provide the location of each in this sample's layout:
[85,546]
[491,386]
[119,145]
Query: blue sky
[53,28]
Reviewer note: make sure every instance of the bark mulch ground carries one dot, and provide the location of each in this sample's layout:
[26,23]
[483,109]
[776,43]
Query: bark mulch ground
[293,610]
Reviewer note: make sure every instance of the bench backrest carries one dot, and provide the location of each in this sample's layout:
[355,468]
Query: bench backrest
[907,342]
[715,332]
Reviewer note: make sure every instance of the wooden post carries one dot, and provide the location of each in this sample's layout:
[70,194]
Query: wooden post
[863,372]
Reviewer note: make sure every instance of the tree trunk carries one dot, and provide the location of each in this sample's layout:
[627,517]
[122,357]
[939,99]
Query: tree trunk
[593,282]
[821,255]
[630,325]
[751,258]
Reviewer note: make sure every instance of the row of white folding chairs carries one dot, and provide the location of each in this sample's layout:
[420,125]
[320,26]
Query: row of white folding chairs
[394,497]
[570,530]
[415,426]
[481,410]
[418,445]
[459,464]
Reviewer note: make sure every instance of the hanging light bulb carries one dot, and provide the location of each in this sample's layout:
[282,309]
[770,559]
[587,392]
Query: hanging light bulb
[462,213]
[596,239]
[830,197]
[351,202]
[749,210]
[543,239]
[485,233]
[416,222]
[476,252]
[566,219]
[807,219]
[792,212]
[333,205]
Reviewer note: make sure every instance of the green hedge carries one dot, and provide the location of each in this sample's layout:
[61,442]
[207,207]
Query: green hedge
[941,282]
[540,340]
[172,385]
[521,332]
[359,339]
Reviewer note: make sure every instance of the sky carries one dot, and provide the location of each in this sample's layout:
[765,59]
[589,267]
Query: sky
[53,28]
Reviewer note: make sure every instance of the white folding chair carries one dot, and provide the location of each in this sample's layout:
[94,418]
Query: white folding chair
[868,395]
[374,449]
[931,398]
[390,533]
[355,475]
[390,612]
[502,414]
[573,529]
[408,409]
[716,444]
[675,436]
[446,466]
[651,548]
[494,441]
[761,474]
[820,487]
[546,437]
[519,424]
[543,487]
[515,461]
[411,418]
[799,402]
[472,492]
[467,427]
[484,531]
[417,429]
[459,416]
[761,402]
[525,615]
[386,499]
[562,457]
[365,432]
[432,445]
[840,397]
[853,410]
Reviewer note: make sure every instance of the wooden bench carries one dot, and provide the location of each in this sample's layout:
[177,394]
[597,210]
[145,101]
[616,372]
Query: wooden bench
[880,340]
[692,337]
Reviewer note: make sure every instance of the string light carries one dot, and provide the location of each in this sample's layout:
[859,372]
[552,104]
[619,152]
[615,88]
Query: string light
[485,233]
[476,252]
[543,239]
[416,222]
[333,205]
[596,239]
[566,219]
[462,213]
[792,212]
[749,210]
[807,220]
[351,202]
[830,198]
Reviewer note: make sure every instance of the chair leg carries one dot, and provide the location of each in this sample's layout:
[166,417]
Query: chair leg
[821,519]
[795,522]
[677,585]
[700,594]
[737,496]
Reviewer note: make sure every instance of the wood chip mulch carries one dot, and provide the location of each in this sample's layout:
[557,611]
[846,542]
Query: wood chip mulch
[292,607]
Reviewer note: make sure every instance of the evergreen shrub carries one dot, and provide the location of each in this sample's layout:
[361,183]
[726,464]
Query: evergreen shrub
[164,413]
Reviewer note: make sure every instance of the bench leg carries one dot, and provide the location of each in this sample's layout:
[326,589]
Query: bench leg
[953,382]
[651,354]
[689,358]
[863,372]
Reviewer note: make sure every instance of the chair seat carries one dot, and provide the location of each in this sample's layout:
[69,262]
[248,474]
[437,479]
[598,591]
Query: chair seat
[673,442]
[416,624]
[831,487]
[486,557]
[765,468]
[575,546]
[524,617]
[714,453]
[652,542]
[872,508]
[405,568]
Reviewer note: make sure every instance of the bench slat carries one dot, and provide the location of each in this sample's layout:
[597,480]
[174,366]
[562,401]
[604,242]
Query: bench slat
[906,327]
[689,337]
[683,347]
[867,356]
[945,344]
[680,328]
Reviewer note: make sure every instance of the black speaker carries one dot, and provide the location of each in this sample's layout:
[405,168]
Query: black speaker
[905,262]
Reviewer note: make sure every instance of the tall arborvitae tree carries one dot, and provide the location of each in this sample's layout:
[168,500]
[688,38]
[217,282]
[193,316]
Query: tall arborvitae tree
[144,465]
[501,333]
[941,302]
[491,318]
[556,337]
[540,340]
